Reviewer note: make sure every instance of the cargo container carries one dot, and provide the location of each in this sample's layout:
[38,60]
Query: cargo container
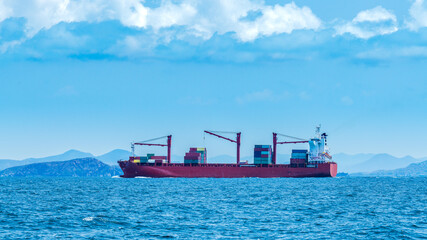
[193,158]
[263,146]
[157,161]
[145,159]
[261,149]
[299,150]
[299,156]
[262,154]
[298,161]
[196,155]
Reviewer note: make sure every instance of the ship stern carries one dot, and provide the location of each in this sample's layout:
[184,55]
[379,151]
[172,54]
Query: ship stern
[333,168]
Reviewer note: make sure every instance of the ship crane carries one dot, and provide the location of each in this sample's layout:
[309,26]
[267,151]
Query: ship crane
[146,143]
[237,141]
[275,142]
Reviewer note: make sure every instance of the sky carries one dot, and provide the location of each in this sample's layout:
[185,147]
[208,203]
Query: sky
[95,75]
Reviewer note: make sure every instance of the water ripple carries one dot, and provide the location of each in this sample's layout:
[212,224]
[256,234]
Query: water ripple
[146,208]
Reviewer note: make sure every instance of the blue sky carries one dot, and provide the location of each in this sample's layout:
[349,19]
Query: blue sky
[96,75]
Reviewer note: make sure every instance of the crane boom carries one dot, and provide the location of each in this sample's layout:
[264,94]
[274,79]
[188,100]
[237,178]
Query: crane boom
[144,143]
[237,141]
[275,142]
[216,135]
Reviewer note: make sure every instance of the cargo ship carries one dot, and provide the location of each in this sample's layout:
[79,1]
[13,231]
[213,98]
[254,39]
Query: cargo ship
[315,162]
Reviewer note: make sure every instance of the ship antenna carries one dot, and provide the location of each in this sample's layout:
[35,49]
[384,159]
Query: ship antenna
[318,131]
[132,146]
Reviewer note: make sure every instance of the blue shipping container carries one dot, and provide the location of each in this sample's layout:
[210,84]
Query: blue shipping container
[262,146]
[299,150]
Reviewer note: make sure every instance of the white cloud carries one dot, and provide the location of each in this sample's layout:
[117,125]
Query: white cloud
[5,46]
[222,16]
[278,19]
[199,18]
[418,12]
[370,23]
[170,14]
[43,14]
[202,19]
[132,13]
[377,14]
[205,18]
[5,12]
[132,46]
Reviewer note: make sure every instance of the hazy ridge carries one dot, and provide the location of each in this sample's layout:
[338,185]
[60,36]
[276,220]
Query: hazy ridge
[413,170]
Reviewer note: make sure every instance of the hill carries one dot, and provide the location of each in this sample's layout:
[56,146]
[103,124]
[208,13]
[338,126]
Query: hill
[82,167]
[347,161]
[112,157]
[413,170]
[383,162]
[68,155]
[372,162]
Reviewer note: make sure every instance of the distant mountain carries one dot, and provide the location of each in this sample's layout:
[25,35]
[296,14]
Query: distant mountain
[371,162]
[82,167]
[383,162]
[68,155]
[413,170]
[7,163]
[353,158]
[347,161]
[112,157]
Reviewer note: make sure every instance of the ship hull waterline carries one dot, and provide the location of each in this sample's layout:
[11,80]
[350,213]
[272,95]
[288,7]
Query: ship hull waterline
[132,170]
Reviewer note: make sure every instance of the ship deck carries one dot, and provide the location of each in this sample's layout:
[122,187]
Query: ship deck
[222,165]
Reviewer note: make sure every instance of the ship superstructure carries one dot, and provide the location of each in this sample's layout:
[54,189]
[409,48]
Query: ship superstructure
[319,150]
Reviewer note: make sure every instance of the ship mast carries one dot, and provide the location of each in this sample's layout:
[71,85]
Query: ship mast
[145,143]
[275,142]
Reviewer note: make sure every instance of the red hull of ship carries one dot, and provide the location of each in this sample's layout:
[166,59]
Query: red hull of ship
[131,170]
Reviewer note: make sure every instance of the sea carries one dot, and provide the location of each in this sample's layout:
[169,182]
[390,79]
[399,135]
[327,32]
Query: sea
[248,208]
